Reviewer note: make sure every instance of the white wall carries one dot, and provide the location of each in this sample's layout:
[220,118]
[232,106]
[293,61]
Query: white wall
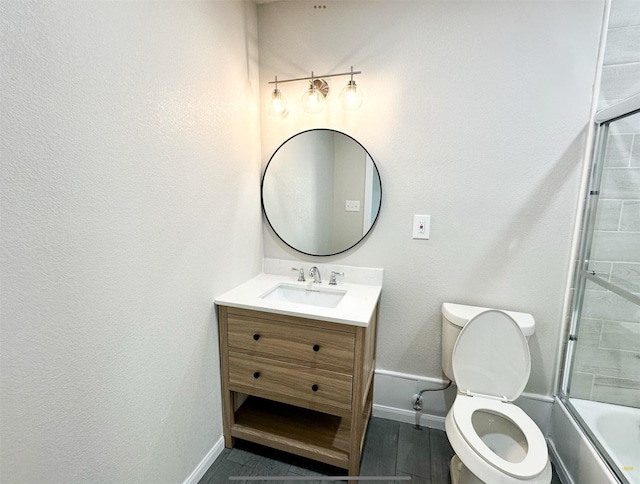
[475,113]
[130,199]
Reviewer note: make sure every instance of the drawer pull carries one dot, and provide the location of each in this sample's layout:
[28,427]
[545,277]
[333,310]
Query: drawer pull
[316,348]
[256,374]
[314,388]
[256,337]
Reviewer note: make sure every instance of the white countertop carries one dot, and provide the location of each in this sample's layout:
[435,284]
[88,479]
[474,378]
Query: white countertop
[355,308]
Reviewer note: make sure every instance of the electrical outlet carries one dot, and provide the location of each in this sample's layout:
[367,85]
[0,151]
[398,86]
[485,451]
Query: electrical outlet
[421,226]
[352,206]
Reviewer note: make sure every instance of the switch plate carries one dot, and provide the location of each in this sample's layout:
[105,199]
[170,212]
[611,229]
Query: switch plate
[421,226]
[352,206]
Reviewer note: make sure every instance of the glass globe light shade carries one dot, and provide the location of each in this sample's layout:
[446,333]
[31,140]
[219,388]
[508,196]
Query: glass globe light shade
[312,101]
[277,104]
[351,96]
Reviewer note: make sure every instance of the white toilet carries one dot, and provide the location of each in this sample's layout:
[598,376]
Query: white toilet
[485,352]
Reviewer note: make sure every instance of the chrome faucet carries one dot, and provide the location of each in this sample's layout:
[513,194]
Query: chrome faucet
[315,273]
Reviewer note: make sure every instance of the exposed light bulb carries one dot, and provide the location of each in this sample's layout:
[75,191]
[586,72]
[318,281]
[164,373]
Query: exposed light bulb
[277,104]
[351,96]
[312,100]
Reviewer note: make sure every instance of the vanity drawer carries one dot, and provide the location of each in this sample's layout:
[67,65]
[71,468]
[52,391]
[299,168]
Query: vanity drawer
[286,382]
[297,343]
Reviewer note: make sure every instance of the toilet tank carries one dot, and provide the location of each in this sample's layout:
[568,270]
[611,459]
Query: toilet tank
[455,316]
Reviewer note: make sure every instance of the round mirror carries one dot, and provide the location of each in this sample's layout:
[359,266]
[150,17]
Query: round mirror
[321,192]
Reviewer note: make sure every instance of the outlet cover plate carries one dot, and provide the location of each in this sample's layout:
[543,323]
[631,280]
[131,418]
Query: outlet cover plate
[421,226]
[352,206]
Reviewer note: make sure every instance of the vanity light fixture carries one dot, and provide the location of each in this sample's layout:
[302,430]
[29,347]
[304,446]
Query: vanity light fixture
[351,95]
[277,104]
[313,98]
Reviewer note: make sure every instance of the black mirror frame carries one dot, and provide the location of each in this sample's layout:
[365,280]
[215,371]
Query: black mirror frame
[262,193]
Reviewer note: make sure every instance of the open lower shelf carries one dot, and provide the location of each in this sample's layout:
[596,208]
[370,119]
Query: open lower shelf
[308,433]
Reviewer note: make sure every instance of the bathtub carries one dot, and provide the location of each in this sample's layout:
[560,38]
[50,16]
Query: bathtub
[617,428]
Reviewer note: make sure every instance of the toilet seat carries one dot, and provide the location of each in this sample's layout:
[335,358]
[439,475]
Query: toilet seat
[536,459]
[491,365]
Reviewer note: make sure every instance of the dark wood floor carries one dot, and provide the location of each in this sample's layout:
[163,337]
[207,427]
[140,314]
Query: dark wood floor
[390,449]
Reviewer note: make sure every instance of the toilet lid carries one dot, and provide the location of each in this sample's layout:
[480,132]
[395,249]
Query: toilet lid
[491,357]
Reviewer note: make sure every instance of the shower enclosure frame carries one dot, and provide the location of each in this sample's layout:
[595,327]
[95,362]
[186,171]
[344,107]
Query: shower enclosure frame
[583,274]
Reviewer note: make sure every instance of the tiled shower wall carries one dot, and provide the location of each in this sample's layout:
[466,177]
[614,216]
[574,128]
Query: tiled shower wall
[607,364]
[621,66]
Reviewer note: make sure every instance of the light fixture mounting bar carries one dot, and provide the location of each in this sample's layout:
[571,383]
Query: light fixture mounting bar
[352,73]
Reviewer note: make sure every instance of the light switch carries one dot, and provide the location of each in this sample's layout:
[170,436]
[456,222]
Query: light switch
[352,206]
[421,226]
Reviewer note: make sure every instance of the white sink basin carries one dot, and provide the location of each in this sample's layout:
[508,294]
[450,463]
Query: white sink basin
[326,298]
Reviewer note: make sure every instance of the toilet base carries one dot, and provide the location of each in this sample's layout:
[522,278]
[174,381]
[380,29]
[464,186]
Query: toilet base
[460,474]
[454,469]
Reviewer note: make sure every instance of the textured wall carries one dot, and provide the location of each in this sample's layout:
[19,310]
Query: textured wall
[475,113]
[130,198]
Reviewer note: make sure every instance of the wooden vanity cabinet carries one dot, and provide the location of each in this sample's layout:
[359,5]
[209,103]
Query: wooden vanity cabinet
[298,385]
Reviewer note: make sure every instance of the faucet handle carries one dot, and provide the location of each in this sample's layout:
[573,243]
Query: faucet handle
[300,274]
[332,281]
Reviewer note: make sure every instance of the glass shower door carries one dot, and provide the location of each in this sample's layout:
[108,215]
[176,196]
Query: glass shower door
[602,370]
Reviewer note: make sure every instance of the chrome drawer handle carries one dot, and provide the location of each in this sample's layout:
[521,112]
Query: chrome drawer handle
[256,337]
[316,348]
[314,388]
[256,374]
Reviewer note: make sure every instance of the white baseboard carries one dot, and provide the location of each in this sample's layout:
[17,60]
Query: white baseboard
[410,417]
[393,392]
[205,463]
